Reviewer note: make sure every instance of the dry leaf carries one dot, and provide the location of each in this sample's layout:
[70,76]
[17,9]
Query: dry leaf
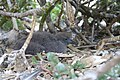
[94,60]
[65,55]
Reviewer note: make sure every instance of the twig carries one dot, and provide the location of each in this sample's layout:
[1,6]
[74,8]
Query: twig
[93,30]
[47,12]
[24,47]
[37,11]
[84,38]
[106,40]
[15,26]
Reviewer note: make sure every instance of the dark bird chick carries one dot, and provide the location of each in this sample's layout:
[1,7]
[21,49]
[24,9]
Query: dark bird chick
[44,41]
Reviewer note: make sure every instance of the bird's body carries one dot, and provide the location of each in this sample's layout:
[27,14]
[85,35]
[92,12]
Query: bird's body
[43,41]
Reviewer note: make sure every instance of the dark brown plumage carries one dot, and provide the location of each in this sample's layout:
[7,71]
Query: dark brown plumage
[44,41]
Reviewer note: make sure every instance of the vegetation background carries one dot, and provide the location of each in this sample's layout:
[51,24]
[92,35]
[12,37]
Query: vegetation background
[90,21]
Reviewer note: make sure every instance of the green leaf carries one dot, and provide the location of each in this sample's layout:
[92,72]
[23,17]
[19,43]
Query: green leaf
[52,58]
[55,12]
[7,25]
[20,25]
[78,65]
[60,67]
[72,74]
[103,77]
[34,60]
[39,56]
[56,75]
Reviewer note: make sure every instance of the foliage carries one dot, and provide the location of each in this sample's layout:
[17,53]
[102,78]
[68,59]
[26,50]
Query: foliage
[7,25]
[87,26]
[55,12]
[35,60]
[58,68]
[78,65]
[52,58]
[112,74]
[18,6]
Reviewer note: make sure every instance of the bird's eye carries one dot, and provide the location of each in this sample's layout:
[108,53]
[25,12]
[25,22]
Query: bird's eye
[66,39]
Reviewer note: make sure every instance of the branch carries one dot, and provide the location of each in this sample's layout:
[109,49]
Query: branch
[21,52]
[37,11]
[15,26]
[24,47]
[47,12]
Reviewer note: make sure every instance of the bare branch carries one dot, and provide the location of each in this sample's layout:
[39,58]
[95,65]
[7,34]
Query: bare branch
[15,26]
[37,11]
